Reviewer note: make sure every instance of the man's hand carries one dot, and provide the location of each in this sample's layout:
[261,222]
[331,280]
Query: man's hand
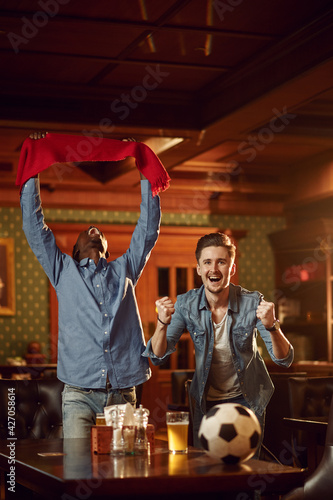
[165,309]
[38,135]
[266,313]
[281,345]
[129,139]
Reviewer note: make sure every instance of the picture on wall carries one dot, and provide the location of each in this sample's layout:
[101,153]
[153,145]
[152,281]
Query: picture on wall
[7,283]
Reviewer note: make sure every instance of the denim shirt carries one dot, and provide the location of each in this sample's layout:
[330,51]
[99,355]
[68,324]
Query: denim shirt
[100,331]
[192,313]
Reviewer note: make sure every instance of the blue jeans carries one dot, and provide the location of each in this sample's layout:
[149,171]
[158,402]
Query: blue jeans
[198,415]
[79,407]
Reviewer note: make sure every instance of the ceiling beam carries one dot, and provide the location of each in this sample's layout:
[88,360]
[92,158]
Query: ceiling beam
[10,20]
[293,56]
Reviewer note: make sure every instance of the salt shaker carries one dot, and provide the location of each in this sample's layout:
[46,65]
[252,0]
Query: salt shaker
[141,420]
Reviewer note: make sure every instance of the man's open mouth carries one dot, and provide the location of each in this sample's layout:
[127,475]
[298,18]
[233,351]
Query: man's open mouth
[92,231]
[214,279]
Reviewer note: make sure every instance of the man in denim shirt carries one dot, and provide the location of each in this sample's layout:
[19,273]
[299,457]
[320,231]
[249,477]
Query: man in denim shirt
[100,333]
[223,321]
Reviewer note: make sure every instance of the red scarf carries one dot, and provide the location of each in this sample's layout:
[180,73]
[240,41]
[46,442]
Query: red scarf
[39,154]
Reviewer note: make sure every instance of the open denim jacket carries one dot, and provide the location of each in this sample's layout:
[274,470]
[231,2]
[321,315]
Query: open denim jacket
[192,314]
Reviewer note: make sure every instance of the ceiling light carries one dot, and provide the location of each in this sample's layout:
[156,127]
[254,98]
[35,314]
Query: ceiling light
[161,144]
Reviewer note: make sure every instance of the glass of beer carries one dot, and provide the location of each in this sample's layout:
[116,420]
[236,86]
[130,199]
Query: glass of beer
[177,425]
[100,419]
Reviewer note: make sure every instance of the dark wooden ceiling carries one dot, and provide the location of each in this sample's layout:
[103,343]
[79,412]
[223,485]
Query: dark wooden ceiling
[246,84]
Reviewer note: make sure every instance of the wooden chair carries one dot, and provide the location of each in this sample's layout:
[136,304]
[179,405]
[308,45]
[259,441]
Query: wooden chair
[178,385]
[319,485]
[191,411]
[308,397]
[277,436]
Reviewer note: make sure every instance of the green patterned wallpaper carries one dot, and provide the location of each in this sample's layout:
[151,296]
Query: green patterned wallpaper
[31,321]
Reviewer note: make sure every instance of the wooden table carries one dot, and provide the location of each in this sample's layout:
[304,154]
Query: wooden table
[316,428]
[71,471]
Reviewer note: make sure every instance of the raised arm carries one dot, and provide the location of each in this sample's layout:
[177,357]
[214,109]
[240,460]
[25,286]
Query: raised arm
[280,344]
[39,235]
[145,234]
[165,309]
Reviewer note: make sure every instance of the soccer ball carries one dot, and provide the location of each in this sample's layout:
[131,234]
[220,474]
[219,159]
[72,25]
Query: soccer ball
[230,432]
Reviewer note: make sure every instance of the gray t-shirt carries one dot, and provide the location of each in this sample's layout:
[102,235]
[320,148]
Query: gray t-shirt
[222,381]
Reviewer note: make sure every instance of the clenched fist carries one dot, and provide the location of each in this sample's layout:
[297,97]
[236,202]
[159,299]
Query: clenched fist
[165,309]
[266,313]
